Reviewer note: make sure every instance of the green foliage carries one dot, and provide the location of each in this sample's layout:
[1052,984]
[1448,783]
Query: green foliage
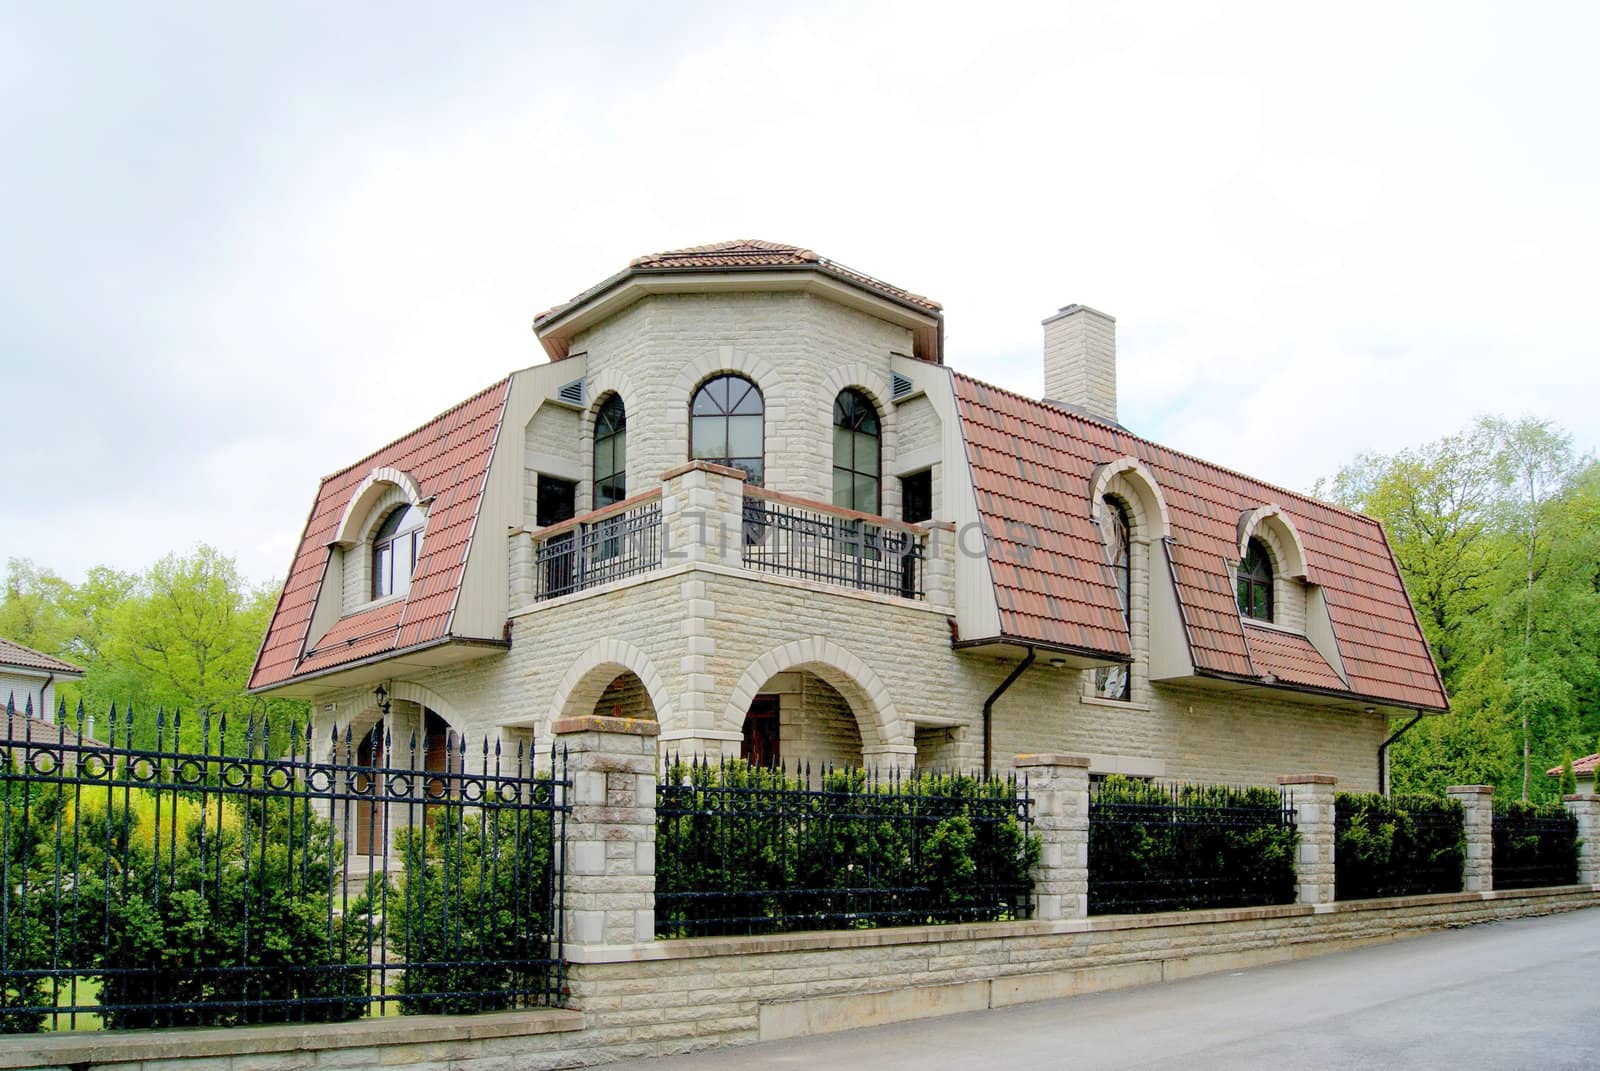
[1155,847]
[1497,533]
[472,904]
[1535,844]
[747,849]
[1400,846]
[1569,780]
[29,945]
[192,914]
[182,634]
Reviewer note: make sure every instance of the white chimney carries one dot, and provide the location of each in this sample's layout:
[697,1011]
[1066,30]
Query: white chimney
[1080,361]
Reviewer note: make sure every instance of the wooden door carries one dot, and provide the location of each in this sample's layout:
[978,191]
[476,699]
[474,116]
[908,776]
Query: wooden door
[371,816]
[760,747]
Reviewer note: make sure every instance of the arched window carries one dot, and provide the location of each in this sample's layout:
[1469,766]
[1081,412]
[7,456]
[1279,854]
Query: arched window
[610,452]
[856,435]
[395,550]
[1115,682]
[1255,582]
[726,425]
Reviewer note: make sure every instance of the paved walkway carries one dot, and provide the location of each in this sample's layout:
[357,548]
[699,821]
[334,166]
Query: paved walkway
[1521,994]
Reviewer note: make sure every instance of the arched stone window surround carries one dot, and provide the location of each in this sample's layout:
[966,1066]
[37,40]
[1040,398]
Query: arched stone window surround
[1279,535]
[358,519]
[1131,481]
[875,385]
[600,385]
[592,440]
[725,360]
[877,718]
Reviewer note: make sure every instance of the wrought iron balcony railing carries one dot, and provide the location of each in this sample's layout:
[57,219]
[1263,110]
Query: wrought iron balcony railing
[811,541]
[606,545]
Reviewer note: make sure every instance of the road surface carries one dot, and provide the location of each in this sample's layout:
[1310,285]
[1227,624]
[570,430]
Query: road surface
[1520,994]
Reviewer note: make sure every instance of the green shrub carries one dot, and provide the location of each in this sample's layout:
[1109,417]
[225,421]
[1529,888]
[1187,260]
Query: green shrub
[1399,846]
[1159,847]
[229,909]
[1535,844]
[1569,780]
[29,945]
[743,849]
[471,904]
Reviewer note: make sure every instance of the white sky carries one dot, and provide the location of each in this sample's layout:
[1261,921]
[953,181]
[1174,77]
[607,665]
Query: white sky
[239,250]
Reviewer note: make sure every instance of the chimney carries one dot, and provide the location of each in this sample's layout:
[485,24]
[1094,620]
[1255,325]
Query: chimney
[1080,361]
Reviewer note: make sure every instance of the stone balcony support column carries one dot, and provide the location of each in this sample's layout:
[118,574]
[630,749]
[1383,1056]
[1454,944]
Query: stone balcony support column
[702,514]
[1059,788]
[610,891]
[1314,820]
[519,567]
[939,563]
[1477,873]
[1586,808]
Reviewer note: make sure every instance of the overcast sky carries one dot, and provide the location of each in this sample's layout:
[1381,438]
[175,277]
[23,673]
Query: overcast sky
[239,250]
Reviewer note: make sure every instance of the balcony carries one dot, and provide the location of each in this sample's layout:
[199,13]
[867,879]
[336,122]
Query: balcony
[705,513]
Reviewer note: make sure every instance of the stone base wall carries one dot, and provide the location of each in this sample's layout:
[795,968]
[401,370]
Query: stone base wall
[666,997]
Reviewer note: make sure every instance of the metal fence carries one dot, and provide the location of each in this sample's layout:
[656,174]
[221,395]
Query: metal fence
[592,553]
[743,849]
[1534,846]
[1176,847]
[790,540]
[160,880]
[1397,846]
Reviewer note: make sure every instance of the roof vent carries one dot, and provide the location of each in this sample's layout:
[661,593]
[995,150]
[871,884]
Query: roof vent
[572,393]
[900,387]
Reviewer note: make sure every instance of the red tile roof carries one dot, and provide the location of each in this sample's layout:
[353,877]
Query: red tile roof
[449,459]
[1031,467]
[18,727]
[745,254]
[1585,765]
[15,654]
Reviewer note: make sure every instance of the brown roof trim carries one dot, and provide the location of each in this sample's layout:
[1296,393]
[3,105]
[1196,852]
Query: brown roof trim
[1311,689]
[459,641]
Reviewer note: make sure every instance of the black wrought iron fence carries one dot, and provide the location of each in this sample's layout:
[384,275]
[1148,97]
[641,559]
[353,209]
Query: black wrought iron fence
[177,884]
[790,540]
[1534,845]
[744,849]
[1176,847]
[597,552]
[1396,846]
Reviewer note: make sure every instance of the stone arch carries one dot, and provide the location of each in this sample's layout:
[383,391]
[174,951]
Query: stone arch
[1130,479]
[424,697]
[725,359]
[1274,528]
[357,512]
[877,717]
[601,387]
[605,660]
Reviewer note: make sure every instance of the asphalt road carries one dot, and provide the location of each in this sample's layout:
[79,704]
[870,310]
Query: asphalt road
[1520,994]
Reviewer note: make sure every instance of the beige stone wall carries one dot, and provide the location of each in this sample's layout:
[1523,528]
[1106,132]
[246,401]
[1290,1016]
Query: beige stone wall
[553,443]
[680,996]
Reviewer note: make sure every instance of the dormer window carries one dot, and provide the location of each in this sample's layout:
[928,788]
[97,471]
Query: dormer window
[1255,582]
[396,546]
[1115,682]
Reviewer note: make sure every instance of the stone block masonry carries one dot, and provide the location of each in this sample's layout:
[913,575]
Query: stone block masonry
[1314,821]
[1477,801]
[1587,810]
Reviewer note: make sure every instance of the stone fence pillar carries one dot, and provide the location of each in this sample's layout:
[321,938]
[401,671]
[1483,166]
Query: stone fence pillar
[1314,867]
[611,833]
[1059,786]
[1477,872]
[1586,808]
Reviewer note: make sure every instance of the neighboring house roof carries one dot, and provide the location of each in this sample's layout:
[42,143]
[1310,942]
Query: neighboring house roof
[742,255]
[17,656]
[1031,467]
[17,726]
[448,458]
[1585,765]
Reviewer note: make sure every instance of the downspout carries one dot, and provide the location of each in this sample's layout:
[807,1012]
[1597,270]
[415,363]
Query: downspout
[45,714]
[1383,753]
[988,710]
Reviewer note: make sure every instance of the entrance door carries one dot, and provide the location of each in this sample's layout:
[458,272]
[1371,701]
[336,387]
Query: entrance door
[558,501]
[760,747]
[370,816]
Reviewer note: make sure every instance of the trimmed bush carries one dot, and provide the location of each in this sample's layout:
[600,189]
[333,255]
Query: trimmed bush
[743,849]
[1157,847]
[1399,846]
[1535,844]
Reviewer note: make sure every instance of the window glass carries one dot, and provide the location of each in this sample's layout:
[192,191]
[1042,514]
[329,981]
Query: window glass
[726,425]
[1116,682]
[916,497]
[396,546]
[610,438]
[855,452]
[1255,582]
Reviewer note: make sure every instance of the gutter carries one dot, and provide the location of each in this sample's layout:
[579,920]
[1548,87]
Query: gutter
[988,710]
[1383,753]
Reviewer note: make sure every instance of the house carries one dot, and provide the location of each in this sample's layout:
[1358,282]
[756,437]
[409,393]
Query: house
[745,496]
[1586,768]
[28,680]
